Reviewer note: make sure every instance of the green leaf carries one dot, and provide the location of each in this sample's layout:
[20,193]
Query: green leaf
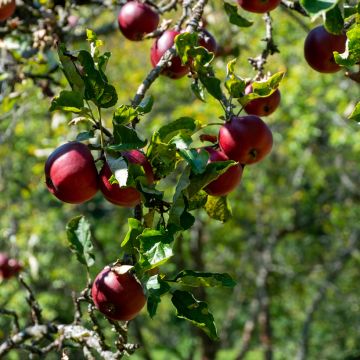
[184,42]
[212,172]
[135,229]
[155,288]
[334,22]
[218,208]
[212,85]
[146,105]
[316,7]
[183,125]
[124,115]
[352,55]
[205,279]
[119,168]
[188,308]
[355,115]
[234,84]
[126,138]
[69,101]
[155,248]
[198,90]
[234,17]
[196,159]
[161,156]
[79,235]
[85,135]
[108,98]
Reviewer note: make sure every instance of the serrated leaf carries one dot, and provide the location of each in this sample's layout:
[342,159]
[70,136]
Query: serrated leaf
[184,42]
[85,135]
[156,288]
[146,105]
[234,84]
[198,90]
[218,208]
[212,85]
[119,168]
[79,235]
[126,138]
[197,312]
[205,279]
[196,159]
[234,17]
[155,248]
[69,101]
[108,97]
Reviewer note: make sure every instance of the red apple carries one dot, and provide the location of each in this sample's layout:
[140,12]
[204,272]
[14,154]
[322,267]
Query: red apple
[207,40]
[7,9]
[226,182]
[137,157]
[246,139]
[8,267]
[319,47]
[117,293]
[259,6]
[175,70]
[263,106]
[71,173]
[137,19]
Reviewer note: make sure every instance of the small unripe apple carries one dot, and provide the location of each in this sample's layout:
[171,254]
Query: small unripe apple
[137,19]
[71,173]
[259,6]
[166,41]
[7,9]
[263,106]
[246,139]
[207,40]
[8,267]
[226,182]
[319,47]
[117,293]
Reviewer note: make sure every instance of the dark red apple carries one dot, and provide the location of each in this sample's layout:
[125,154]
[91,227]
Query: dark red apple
[117,293]
[319,47]
[246,139]
[175,70]
[137,19]
[207,40]
[259,6]
[263,106]
[71,173]
[8,267]
[226,182]
[7,9]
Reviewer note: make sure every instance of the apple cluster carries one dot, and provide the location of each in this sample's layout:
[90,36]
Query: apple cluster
[137,19]
[8,267]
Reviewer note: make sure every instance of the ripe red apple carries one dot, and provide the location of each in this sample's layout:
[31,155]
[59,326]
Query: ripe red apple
[319,47]
[207,40]
[117,293]
[262,106]
[7,9]
[137,157]
[71,173]
[175,70]
[226,182]
[8,267]
[246,139]
[137,19]
[259,6]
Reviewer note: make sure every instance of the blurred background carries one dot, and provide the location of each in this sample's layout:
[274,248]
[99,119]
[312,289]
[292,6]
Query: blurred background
[291,245]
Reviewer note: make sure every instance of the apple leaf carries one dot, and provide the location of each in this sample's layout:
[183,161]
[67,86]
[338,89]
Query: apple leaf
[135,229]
[234,17]
[155,288]
[79,235]
[108,98]
[334,22]
[234,84]
[184,42]
[69,101]
[146,105]
[119,168]
[183,125]
[155,248]
[126,138]
[355,115]
[218,208]
[197,312]
[212,85]
[85,135]
[205,279]
[124,115]
[196,159]
[198,90]
[351,56]
[315,8]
